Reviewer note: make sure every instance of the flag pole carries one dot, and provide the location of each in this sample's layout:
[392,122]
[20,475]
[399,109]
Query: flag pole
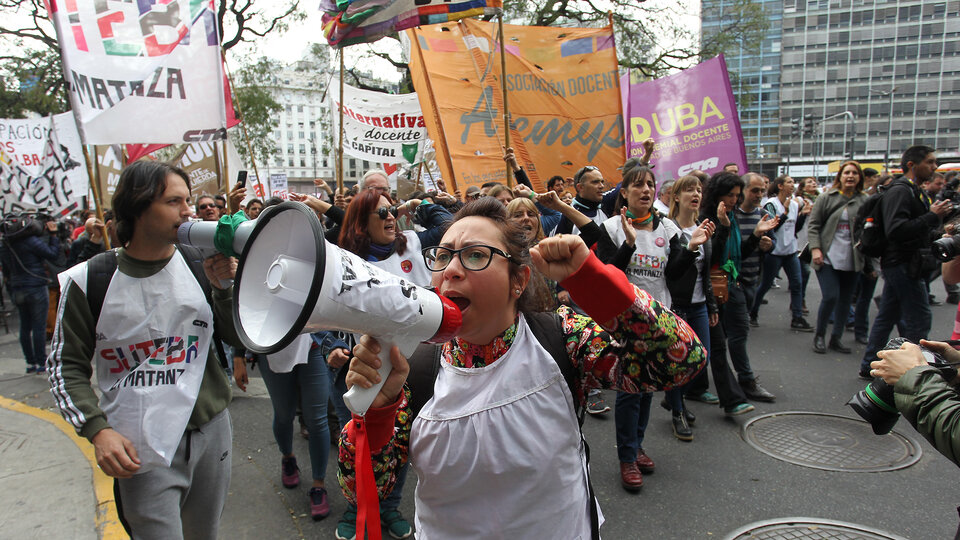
[503,89]
[94,180]
[340,144]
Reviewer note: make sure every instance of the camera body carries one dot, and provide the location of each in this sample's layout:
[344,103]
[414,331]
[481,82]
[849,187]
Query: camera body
[876,404]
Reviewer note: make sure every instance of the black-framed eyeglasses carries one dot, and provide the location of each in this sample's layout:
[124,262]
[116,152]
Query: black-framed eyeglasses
[385,211]
[476,257]
[205,206]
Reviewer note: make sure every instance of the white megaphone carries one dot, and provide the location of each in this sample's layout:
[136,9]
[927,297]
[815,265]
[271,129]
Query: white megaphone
[291,281]
[202,235]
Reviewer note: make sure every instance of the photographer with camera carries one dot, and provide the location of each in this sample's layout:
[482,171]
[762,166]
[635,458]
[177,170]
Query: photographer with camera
[922,393]
[908,216]
[26,245]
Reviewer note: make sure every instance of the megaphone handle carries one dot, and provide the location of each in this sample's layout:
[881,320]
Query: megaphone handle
[359,399]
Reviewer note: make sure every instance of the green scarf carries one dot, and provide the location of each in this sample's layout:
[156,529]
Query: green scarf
[732,250]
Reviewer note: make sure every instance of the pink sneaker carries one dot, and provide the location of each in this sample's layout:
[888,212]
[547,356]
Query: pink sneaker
[319,505]
[289,472]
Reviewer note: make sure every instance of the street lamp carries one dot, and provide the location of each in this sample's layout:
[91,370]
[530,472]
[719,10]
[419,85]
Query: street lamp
[886,152]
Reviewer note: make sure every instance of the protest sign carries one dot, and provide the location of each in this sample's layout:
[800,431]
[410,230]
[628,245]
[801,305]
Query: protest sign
[130,64]
[278,185]
[201,163]
[564,96]
[692,115]
[367,21]
[109,166]
[47,186]
[379,127]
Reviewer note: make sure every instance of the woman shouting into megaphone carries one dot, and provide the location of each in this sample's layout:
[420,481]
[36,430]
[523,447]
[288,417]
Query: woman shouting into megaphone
[496,445]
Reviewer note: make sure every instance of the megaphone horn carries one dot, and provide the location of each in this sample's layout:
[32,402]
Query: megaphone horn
[291,281]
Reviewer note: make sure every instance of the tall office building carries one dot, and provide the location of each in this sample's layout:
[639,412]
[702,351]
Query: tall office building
[884,68]
[757,77]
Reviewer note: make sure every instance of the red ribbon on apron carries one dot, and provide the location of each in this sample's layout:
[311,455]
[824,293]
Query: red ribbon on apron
[368,503]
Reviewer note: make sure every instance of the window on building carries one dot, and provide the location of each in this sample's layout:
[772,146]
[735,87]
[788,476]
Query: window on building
[299,108]
[300,136]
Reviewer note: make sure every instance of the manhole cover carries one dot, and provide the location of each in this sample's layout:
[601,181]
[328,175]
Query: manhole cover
[796,528]
[829,442]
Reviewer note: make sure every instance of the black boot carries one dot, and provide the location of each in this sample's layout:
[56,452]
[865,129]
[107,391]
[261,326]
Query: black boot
[681,429]
[819,346]
[835,345]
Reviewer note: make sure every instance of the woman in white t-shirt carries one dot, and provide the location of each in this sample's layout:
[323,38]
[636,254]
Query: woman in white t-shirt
[784,253]
[646,247]
[833,257]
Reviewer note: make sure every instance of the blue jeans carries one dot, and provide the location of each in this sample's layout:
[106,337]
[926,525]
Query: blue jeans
[32,304]
[312,382]
[631,415]
[861,316]
[698,319]
[736,326]
[905,301]
[392,501]
[771,267]
[837,288]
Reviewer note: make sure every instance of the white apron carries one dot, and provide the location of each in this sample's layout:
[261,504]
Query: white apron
[649,260]
[297,352]
[497,451]
[410,265]
[153,338]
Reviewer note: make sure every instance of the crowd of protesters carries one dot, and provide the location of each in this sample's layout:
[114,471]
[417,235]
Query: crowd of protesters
[697,254]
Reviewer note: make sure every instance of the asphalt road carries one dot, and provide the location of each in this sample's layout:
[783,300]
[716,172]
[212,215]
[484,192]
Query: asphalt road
[706,488]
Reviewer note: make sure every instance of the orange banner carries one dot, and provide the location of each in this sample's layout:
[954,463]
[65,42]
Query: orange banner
[563,94]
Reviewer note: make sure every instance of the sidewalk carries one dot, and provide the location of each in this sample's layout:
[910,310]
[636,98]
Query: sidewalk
[45,479]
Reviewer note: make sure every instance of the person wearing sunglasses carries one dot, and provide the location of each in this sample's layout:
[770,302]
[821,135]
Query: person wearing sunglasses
[207,208]
[497,449]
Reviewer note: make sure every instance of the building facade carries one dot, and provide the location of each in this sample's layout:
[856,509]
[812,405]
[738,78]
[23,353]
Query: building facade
[872,76]
[306,143]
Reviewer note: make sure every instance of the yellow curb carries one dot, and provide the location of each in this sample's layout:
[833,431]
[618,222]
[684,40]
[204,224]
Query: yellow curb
[107,521]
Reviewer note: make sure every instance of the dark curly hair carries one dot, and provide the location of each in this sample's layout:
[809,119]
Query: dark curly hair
[141,183]
[719,185]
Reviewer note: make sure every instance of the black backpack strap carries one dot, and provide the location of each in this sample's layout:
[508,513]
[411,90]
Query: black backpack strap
[547,327]
[100,270]
[424,369]
[195,261]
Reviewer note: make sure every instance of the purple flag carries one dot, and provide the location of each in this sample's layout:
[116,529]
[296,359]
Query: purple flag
[692,115]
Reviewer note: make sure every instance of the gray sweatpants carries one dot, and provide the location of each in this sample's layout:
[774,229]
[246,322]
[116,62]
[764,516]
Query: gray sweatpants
[185,500]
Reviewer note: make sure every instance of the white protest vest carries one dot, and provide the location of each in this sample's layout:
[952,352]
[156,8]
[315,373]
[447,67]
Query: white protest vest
[497,451]
[153,338]
[785,239]
[297,352]
[649,260]
[410,265]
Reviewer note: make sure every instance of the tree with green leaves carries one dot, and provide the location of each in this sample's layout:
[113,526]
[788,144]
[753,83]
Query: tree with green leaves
[255,83]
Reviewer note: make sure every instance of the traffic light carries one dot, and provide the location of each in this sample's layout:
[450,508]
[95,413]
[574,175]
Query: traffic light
[808,124]
[794,128]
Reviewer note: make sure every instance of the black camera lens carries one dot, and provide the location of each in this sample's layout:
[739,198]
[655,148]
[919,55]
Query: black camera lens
[875,404]
[946,248]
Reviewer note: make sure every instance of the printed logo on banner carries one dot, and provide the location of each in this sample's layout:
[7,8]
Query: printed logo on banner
[144,59]
[693,118]
[380,127]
